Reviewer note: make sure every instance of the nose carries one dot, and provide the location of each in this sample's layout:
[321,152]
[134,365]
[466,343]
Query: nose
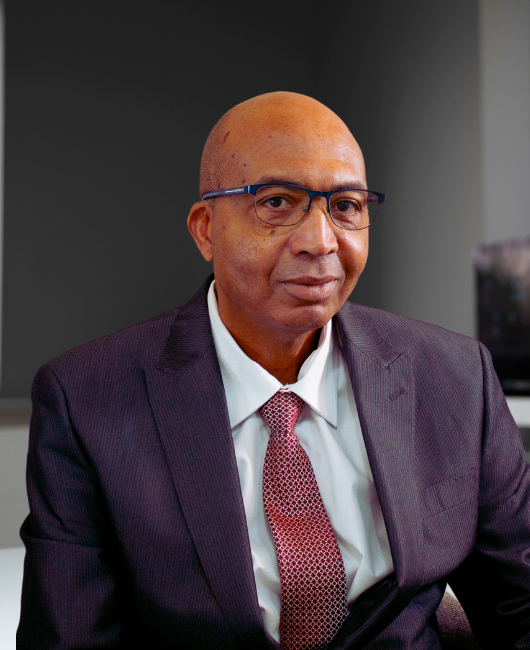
[315,234]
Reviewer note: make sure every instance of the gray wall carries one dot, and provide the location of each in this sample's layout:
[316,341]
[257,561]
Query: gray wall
[414,100]
[109,104]
[14,506]
[505,117]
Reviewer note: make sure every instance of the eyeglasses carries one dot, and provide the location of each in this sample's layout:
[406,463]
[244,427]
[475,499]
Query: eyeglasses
[286,205]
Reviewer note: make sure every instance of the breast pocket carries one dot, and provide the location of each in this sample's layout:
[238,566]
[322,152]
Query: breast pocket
[449,524]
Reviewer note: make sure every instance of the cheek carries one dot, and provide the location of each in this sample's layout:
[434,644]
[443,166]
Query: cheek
[355,254]
[240,256]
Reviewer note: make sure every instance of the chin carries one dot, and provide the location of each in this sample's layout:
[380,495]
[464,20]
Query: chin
[309,318]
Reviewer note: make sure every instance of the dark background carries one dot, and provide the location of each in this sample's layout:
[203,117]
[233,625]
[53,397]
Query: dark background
[108,106]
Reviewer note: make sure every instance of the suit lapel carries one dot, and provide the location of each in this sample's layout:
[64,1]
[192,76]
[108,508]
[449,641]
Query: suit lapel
[383,385]
[188,401]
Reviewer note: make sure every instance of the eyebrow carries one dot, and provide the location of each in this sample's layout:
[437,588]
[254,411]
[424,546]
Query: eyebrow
[356,183]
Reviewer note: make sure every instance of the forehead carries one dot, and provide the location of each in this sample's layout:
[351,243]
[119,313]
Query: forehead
[299,157]
[317,173]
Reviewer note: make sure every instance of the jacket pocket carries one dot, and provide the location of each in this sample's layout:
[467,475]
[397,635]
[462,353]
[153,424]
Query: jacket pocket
[449,524]
[450,493]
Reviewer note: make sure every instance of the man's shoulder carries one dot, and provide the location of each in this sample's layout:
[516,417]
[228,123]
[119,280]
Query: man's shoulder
[417,339]
[125,354]
[137,346]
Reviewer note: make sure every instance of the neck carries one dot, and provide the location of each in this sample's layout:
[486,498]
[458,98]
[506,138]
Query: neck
[282,360]
[282,355]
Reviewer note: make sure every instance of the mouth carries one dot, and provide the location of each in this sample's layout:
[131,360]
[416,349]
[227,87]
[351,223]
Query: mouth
[312,289]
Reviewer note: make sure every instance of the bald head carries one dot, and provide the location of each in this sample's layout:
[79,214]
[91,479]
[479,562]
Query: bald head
[276,125]
[277,284]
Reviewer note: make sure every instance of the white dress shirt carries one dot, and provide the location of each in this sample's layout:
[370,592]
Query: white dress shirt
[330,433]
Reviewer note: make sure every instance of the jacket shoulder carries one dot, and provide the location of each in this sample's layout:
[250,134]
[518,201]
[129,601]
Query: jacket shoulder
[432,349]
[407,333]
[124,355]
[448,369]
[136,346]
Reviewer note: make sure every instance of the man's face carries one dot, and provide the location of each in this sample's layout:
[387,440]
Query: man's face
[289,279]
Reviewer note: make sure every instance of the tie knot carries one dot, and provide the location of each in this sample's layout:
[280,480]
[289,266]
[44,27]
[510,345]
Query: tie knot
[282,412]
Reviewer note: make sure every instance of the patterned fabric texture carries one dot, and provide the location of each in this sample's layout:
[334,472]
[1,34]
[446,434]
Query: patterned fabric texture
[454,627]
[313,581]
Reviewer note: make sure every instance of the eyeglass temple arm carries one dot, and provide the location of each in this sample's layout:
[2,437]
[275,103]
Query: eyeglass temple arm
[228,192]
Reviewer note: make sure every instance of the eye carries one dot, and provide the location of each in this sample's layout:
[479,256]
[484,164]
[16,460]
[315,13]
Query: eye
[274,202]
[346,206]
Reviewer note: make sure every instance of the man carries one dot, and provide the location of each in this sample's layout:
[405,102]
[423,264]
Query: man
[270,464]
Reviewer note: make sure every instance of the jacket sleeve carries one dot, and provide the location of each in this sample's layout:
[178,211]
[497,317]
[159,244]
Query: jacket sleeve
[493,584]
[69,593]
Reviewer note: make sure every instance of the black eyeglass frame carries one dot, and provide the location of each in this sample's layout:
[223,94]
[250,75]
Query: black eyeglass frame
[252,189]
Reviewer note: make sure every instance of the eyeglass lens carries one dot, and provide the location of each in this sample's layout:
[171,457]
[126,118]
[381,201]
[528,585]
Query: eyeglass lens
[281,205]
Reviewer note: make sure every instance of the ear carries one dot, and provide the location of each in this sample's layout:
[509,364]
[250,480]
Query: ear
[200,227]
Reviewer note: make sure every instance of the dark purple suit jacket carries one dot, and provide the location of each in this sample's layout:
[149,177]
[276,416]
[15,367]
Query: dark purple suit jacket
[137,535]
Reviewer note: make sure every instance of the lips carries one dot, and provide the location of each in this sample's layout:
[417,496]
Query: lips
[312,289]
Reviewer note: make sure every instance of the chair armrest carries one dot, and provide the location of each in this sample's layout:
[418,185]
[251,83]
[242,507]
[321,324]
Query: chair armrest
[455,631]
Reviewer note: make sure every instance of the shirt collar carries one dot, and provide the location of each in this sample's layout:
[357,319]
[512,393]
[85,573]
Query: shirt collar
[248,386]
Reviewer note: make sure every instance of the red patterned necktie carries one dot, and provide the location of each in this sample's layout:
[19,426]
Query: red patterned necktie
[313,582]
